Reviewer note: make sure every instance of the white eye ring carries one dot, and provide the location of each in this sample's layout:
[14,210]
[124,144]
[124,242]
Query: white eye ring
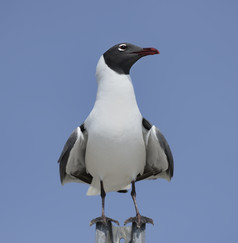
[122,47]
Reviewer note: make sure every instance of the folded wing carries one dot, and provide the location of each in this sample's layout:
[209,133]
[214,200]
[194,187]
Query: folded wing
[72,159]
[159,158]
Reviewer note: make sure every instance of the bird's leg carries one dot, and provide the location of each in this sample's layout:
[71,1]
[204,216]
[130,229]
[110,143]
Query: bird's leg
[103,219]
[138,219]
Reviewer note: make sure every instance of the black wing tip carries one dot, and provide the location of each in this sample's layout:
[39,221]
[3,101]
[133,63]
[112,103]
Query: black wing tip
[146,124]
[82,127]
[83,176]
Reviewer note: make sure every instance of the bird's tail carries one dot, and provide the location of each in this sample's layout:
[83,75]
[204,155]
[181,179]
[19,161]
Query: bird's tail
[94,188]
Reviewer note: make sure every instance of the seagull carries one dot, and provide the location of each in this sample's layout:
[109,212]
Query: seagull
[116,146]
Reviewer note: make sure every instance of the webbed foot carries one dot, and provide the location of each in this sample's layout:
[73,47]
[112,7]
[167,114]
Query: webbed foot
[104,220]
[139,220]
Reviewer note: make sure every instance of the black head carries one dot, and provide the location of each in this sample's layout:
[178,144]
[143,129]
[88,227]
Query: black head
[122,56]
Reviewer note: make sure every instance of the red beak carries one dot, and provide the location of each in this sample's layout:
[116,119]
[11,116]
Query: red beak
[147,51]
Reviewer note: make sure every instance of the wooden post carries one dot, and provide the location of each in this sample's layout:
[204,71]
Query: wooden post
[113,234]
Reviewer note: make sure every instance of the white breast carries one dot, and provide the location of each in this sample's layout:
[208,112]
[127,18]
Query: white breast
[115,150]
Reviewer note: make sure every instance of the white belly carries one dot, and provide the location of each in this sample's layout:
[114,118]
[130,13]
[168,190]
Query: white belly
[115,151]
[115,155]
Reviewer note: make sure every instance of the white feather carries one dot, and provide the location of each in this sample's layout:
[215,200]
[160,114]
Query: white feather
[115,150]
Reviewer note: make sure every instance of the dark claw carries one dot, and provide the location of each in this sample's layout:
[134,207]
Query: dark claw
[139,220]
[104,220]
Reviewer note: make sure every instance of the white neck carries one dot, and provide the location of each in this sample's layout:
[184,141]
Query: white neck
[114,87]
[115,109]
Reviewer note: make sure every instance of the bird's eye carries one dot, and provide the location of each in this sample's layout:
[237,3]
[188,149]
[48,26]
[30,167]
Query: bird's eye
[122,47]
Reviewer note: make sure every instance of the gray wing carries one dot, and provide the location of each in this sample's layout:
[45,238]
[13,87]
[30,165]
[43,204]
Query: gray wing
[72,159]
[159,158]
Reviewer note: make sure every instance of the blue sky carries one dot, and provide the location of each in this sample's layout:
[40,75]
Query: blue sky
[49,51]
